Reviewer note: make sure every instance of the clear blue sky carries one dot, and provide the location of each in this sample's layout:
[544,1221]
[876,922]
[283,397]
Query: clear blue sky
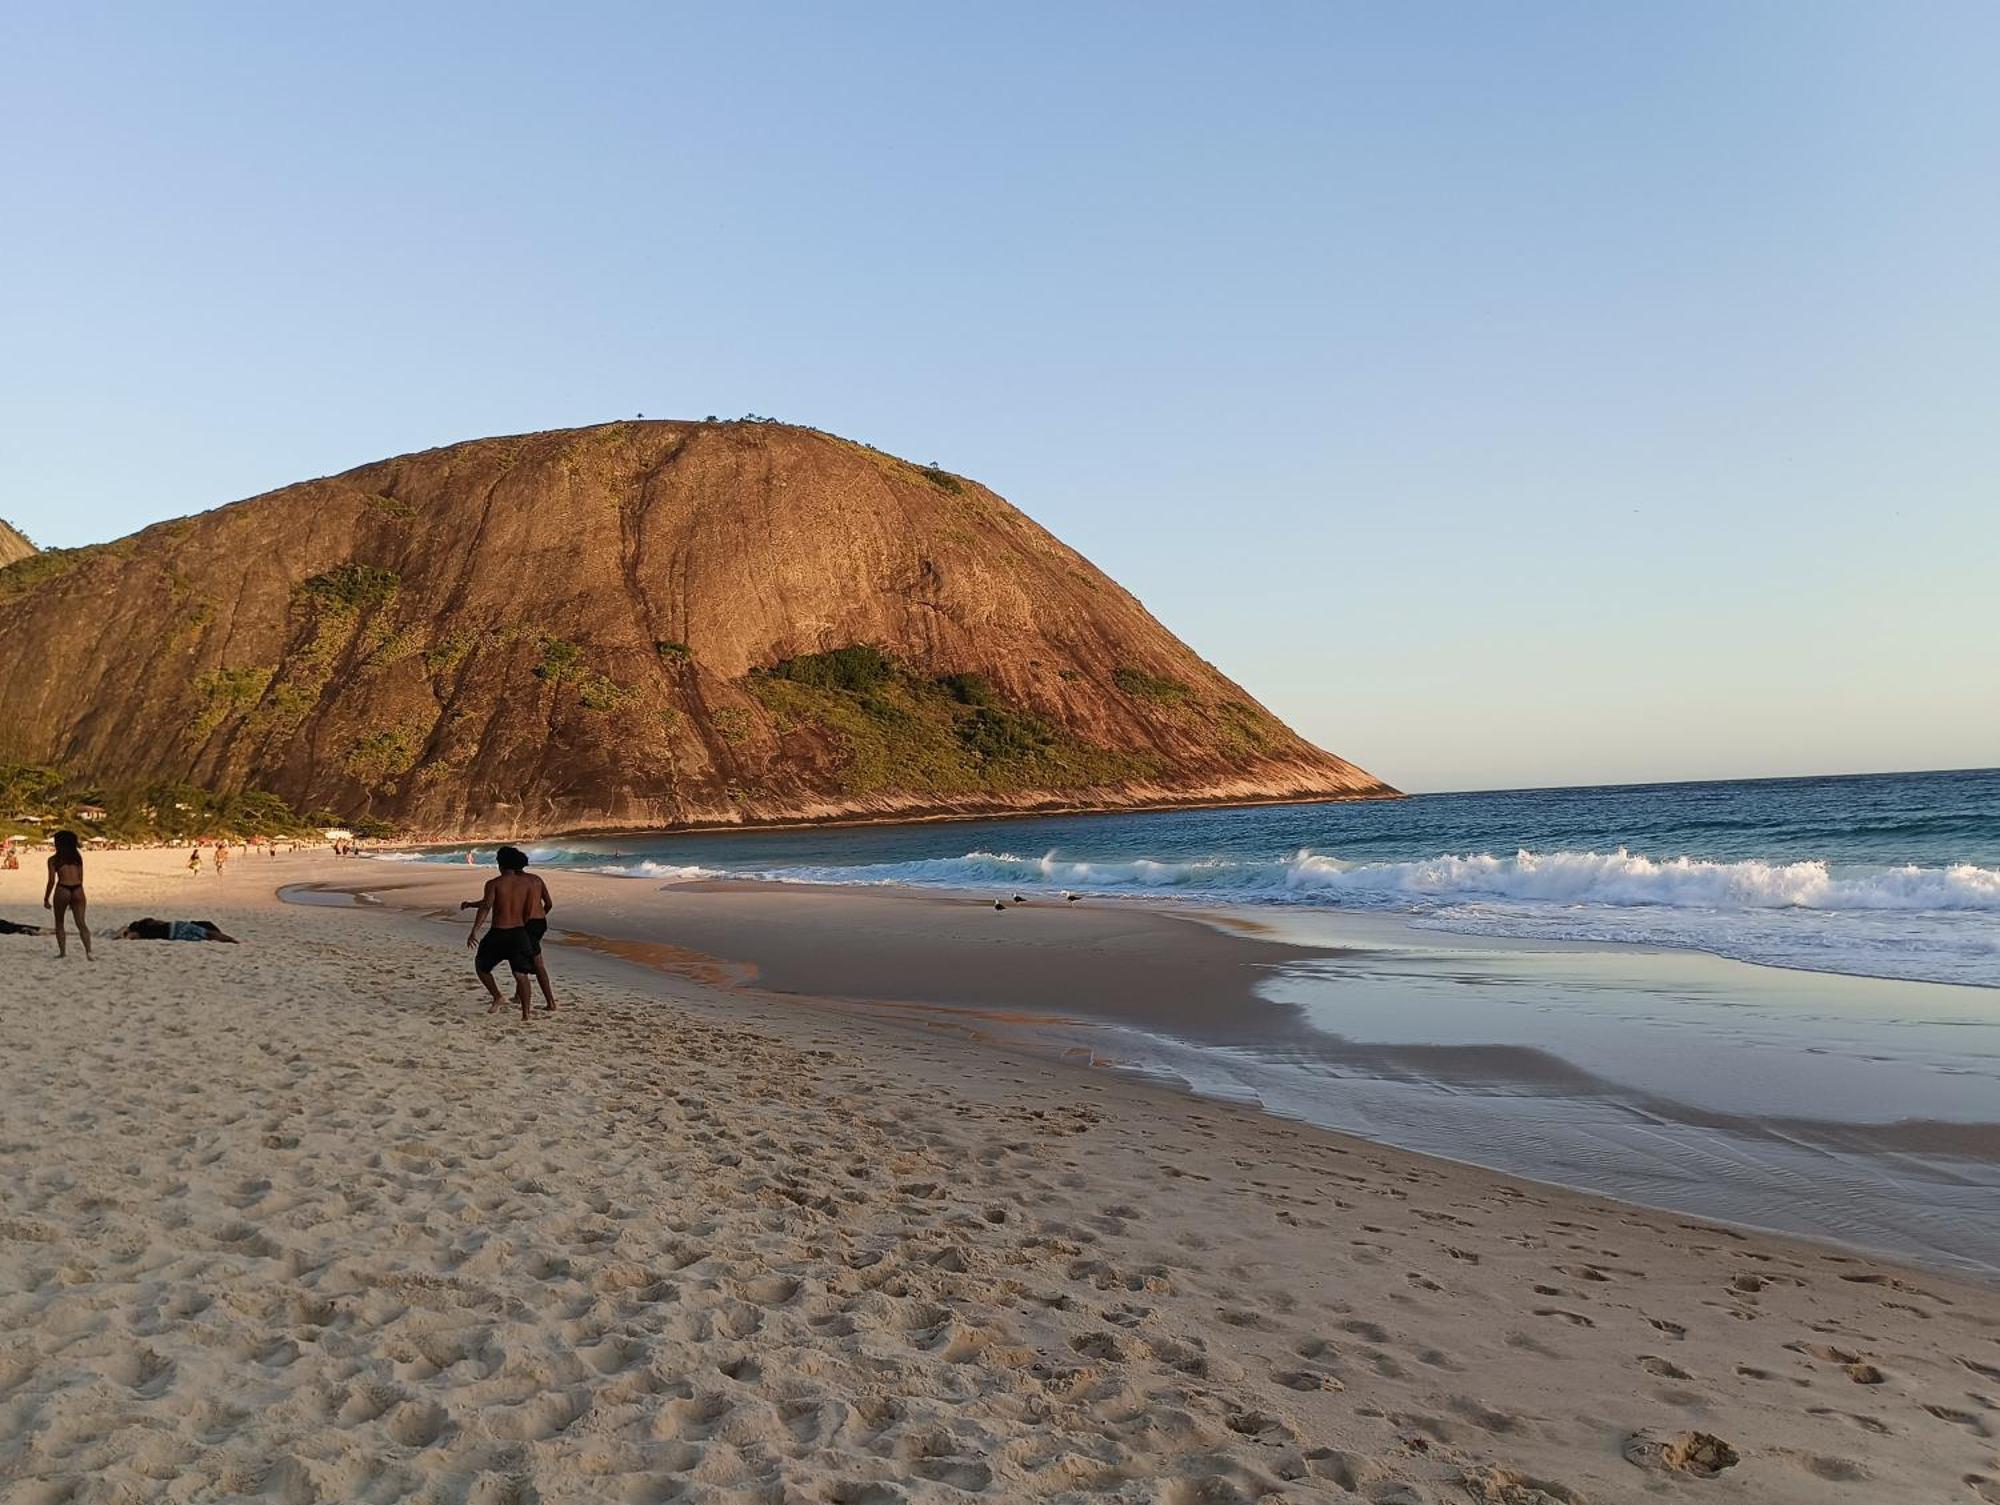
[1506,393]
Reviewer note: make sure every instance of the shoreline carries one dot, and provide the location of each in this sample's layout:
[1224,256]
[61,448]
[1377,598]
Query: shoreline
[916,816]
[1182,995]
[1914,1136]
[712,1243]
[1135,981]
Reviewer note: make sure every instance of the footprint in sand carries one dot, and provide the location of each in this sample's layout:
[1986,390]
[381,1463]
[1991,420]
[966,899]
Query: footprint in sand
[1306,1379]
[1654,1364]
[1854,1419]
[1502,1486]
[1574,1319]
[1957,1418]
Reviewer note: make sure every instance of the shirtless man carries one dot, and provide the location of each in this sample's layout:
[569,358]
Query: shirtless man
[507,898]
[536,924]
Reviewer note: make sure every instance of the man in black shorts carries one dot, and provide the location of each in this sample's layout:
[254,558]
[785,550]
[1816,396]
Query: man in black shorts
[537,926]
[507,898]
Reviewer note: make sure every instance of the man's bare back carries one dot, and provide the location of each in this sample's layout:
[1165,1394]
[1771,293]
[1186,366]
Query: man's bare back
[511,894]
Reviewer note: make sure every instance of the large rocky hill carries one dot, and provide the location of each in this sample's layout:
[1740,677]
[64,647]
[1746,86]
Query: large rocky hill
[641,624]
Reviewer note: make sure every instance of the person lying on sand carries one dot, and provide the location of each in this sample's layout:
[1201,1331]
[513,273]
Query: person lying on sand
[9,927]
[150,929]
[537,925]
[507,898]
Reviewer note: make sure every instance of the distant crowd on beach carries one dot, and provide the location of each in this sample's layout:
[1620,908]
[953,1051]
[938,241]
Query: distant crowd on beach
[516,902]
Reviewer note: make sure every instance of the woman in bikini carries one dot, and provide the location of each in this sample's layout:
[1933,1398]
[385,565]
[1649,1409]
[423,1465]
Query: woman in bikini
[64,893]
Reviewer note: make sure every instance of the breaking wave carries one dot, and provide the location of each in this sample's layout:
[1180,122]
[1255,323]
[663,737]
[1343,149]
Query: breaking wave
[1619,878]
[1939,924]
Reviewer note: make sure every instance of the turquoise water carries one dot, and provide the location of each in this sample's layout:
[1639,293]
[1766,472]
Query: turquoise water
[1886,875]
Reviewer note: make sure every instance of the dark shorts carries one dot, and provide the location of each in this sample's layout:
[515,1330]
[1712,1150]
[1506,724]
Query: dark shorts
[512,945]
[536,930]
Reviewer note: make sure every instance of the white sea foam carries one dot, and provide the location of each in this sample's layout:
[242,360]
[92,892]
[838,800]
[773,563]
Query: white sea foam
[1618,878]
[570,857]
[1622,878]
[673,872]
[1925,923]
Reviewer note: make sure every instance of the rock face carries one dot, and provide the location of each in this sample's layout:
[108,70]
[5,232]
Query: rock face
[637,625]
[13,544]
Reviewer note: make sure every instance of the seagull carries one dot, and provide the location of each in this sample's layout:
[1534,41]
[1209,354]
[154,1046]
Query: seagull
[998,905]
[1019,900]
[1072,898]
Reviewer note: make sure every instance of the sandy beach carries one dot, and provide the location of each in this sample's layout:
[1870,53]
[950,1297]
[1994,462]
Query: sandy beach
[298,1220]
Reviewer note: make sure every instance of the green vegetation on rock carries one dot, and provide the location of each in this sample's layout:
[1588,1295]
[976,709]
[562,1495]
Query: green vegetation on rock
[351,587]
[896,730]
[385,753]
[24,575]
[600,692]
[158,811]
[222,693]
[561,661]
[566,663]
[1247,731]
[856,669]
[448,652]
[944,480]
[1137,682]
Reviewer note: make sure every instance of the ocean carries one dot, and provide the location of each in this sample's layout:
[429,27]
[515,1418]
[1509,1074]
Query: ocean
[1876,875]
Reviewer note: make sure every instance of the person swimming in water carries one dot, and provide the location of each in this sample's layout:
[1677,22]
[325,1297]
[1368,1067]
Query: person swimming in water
[64,891]
[507,898]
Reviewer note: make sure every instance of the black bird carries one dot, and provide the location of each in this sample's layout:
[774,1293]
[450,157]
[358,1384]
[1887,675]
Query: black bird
[998,905]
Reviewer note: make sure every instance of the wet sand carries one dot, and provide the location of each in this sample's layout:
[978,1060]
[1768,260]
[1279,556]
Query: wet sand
[1844,1108]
